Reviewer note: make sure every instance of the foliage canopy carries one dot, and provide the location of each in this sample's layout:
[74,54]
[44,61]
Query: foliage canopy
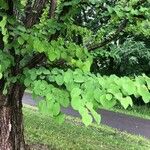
[46,47]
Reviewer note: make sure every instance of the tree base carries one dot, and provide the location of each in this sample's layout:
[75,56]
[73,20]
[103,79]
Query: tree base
[11,120]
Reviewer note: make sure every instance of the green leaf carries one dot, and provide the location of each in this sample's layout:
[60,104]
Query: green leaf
[110,9]
[42,105]
[56,109]
[107,103]
[76,102]
[39,45]
[68,76]
[125,102]
[59,79]
[143,91]
[95,1]
[22,29]
[87,65]
[109,97]
[64,100]
[46,72]
[97,94]
[118,96]
[4,31]
[96,116]
[79,78]
[87,119]
[27,82]
[20,40]
[60,118]
[42,86]
[128,88]
[52,55]
[75,92]
[33,76]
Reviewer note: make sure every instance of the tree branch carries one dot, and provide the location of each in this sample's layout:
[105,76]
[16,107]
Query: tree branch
[38,58]
[52,8]
[34,12]
[117,33]
[110,38]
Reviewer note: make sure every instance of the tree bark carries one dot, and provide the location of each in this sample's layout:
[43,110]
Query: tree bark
[11,119]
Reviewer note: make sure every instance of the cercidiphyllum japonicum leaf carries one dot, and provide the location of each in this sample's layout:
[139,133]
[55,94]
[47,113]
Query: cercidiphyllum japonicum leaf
[128,87]
[76,92]
[144,92]
[109,97]
[78,76]
[60,118]
[86,117]
[59,79]
[4,30]
[97,93]
[76,102]
[147,79]
[125,102]
[68,76]
[52,54]
[39,45]
[96,116]
[107,103]
[86,94]
[21,40]
[49,107]
[61,96]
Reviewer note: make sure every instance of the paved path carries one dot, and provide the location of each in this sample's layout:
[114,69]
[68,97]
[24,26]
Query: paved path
[122,122]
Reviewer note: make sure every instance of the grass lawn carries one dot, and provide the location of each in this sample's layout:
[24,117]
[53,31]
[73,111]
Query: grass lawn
[72,135]
[138,111]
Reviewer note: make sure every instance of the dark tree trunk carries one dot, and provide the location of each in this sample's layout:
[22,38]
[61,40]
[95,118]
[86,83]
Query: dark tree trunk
[11,119]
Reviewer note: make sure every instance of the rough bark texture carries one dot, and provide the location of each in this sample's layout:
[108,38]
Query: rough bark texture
[52,8]
[33,12]
[11,121]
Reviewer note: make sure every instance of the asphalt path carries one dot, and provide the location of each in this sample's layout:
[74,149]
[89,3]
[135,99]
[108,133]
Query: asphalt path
[122,122]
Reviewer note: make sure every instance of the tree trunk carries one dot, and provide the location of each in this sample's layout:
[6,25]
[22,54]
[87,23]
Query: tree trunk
[11,119]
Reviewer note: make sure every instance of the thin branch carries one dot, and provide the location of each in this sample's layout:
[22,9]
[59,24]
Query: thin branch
[111,38]
[117,33]
[52,8]
[37,59]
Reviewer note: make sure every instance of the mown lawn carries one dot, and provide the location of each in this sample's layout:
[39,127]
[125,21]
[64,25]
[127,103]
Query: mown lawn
[137,111]
[73,135]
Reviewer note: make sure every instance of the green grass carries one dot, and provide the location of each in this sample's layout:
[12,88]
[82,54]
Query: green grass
[73,135]
[137,111]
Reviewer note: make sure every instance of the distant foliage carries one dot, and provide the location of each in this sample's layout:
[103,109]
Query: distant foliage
[129,58]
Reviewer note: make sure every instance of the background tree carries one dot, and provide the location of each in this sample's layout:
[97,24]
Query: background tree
[130,22]
[44,48]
